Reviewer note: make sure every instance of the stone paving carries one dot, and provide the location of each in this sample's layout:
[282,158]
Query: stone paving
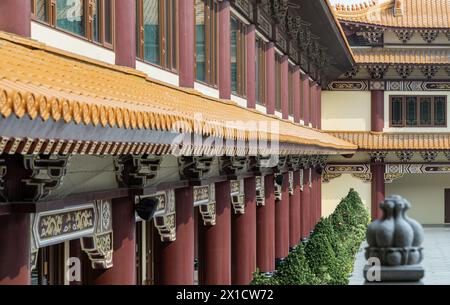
[436,258]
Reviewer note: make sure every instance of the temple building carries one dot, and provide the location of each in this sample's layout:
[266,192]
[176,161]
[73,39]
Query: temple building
[393,106]
[161,142]
[194,142]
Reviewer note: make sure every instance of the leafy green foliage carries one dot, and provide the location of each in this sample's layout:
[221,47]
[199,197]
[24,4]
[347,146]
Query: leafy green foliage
[328,256]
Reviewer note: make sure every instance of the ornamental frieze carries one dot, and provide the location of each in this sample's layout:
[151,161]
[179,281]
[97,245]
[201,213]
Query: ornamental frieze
[260,191]
[360,171]
[245,7]
[397,171]
[348,86]
[164,217]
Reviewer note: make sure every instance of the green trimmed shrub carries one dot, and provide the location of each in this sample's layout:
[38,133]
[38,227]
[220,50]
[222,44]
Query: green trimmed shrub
[295,269]
[328,256]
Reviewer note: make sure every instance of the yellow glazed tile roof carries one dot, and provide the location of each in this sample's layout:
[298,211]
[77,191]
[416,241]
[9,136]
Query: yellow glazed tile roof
[402,56]
[408,13]
[49,84]
[395,141]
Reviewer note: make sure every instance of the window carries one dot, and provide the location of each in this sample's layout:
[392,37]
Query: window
[277,82]
[291,90]
[50,266]
[418,111]
[260,72]
[206,41]
[91,19]
[157,32]
[238,57]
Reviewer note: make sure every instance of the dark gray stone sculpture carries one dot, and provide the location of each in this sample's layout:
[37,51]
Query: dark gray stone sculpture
[395,243]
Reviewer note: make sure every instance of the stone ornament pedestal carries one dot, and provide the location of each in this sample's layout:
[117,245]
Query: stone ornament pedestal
[394,252]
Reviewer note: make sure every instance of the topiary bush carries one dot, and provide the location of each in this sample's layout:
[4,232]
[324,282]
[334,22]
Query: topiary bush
[328,256]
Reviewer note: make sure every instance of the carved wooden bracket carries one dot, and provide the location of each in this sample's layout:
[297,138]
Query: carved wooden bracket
[205,199]
[99,246]
[165,215]
[404,35]
[136,170]
[193,168]
[260,191]
[46,175]
[291,183]
[231,166]
[237,196]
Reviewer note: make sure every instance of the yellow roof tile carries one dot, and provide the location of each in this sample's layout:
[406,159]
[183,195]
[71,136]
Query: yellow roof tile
[46,83]
[402,56]
[410,13]
[367,140]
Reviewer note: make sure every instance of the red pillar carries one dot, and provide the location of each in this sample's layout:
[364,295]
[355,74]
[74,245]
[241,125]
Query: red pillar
[15,249]
[215,254]
[312,207]
[125,33]
[378,189]
[224,50]
[282,221]
[312,103]
[243,228]
[305,203]
[377,101]
[251,68]
[319,185]
[285,87]
[15,17]
[294,212]
[296,93]
[123,271]
[270,78]
[174,261]
[186,61]
[319,104]
[306,97]
[266,228]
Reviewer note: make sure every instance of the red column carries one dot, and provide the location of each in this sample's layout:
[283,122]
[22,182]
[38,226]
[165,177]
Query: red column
[243,228]
[319,186]
[15,250]
[313,201]
[15,17]
[186,61]
[378,189]
[215,257]
[296,93]
[312,103]
[124,244]
[377,101]
[285,87]
[266,229]
[305,98]
[282,221]
[319,104]
[294,212]
[305,203]
[224,50]
[270,78]
[125,33]
[174,261]
[251,67]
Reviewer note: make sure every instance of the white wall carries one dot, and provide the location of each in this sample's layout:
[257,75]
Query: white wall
[58,39]
[335,190]
[346,110]
[426,194]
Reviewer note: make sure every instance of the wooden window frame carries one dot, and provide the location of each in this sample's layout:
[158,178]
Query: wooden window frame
[165,13]
[260,60]
[211,10]
[241,60]
[51,265]
[419,98]
[278,84]
[88,21]
[291,85]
